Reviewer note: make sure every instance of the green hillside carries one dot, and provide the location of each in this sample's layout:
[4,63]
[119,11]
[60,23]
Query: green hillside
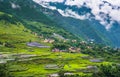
[24,52]
[29,11]
[11,30]
[33,18]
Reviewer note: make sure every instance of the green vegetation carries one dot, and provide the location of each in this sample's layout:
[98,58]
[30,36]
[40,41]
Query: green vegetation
[28,61]
[108,71]
[4,72]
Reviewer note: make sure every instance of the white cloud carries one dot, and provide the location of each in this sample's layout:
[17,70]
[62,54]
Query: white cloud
[79,3]
[70,13]
[108,8]
[113,2]
[115,14]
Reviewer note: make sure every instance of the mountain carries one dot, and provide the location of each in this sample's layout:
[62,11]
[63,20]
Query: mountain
[32,18]
[13,32]
[33,15]
[39,42]
[81,20]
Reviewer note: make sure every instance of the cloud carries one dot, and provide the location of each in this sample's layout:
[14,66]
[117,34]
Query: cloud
[105,11]
[70,13]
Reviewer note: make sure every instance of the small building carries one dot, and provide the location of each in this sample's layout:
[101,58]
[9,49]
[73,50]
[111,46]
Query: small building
[74,41]
[89,47]
[49,41]
[83,42]
[74,50]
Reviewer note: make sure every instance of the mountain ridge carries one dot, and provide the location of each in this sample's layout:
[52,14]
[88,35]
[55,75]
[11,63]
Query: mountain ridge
[111,36]
[83,29]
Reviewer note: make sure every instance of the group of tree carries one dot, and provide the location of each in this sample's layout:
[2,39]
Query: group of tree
[108,71]
[4,72]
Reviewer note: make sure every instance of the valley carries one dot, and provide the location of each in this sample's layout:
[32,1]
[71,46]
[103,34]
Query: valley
[34,44]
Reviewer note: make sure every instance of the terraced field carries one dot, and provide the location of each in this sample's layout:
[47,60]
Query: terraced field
[41,62]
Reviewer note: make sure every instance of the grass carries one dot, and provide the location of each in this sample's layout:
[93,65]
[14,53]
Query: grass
[73,62]
[36,66]
[18,35]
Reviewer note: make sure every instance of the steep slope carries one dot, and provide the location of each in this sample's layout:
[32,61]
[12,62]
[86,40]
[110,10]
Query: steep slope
[27,11]
[30,15]
[12,31]
[87,28]
[82,28]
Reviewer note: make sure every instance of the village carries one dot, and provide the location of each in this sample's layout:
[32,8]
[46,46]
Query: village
[60,49]
[53,55]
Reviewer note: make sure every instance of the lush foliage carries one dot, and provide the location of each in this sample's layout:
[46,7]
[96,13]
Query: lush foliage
[4,72]
[108,71]
[19,26]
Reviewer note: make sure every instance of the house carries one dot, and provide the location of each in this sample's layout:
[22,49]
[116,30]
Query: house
[74,50]
[83,42]
[74,41]
[49,41]
[89,47]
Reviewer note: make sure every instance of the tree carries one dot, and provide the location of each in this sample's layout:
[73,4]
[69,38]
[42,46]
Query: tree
[108,71]
[4,70]
[61,46]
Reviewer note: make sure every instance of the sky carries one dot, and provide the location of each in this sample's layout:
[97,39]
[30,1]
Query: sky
[105,11]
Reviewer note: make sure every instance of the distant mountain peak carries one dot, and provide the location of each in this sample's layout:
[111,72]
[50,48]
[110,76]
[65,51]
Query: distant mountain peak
[107,12]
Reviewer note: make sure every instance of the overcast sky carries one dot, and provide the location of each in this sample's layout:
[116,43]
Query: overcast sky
[110,9]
